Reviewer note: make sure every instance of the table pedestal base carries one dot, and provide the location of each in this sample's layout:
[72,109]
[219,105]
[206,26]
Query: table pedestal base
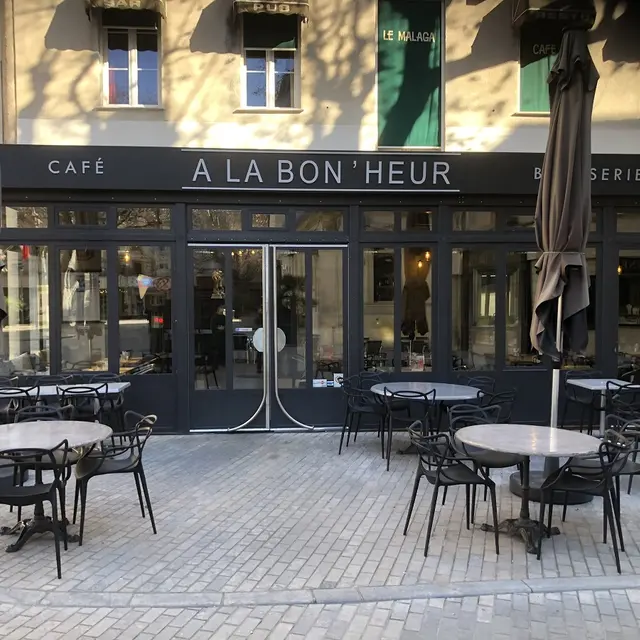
[536,479]
[526,529]
[28,528]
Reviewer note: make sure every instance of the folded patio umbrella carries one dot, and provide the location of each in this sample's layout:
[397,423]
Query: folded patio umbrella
[563,209]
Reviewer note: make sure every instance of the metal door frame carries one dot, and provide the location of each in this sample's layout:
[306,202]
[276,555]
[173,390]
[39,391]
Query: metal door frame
[269,325]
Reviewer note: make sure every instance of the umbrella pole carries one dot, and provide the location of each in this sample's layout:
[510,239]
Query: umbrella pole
[553,464]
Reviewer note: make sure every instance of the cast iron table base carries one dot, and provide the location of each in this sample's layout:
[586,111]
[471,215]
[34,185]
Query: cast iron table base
[525,528]
[29,527]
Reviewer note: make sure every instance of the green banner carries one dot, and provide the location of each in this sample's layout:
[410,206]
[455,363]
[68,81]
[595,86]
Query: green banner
[539,46]
[409,73]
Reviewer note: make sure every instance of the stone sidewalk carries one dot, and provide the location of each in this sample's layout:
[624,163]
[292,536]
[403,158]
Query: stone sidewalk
[257,526]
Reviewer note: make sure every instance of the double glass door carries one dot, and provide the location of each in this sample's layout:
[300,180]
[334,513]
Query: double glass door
[268,342]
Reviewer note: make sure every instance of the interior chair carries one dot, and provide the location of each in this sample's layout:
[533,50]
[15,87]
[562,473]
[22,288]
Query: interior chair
[421,405]
[122,455]
[53,461]
[450,470]
[588,401]
[597,480]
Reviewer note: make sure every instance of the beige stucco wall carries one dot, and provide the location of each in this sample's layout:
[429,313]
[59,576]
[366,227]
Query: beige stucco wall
[59,82]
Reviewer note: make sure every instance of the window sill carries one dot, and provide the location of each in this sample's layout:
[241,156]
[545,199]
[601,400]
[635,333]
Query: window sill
[267,110]
[531,114]
[128,107]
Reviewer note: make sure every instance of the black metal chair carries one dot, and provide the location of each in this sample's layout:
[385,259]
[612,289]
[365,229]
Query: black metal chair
[360,402]
[597,480]
[13,399]
[122,455]
[50,460]
[450,470]
[113,410]
[414,402]
[487,384]
[503,399]
[88,402]
[588,401]
[465,415]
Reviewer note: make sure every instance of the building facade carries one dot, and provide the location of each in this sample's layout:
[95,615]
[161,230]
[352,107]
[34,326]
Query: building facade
[235,203]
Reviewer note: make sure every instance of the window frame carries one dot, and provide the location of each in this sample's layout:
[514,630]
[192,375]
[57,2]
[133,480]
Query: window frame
[133,66]
[271,74]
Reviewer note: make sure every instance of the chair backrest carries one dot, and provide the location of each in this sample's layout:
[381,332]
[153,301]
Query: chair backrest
[54,460]
[419,404]
[436,449]
[22,395]
[486,384]
[504,399]
[84,397]
[366,379]
[465,415]
[44,381]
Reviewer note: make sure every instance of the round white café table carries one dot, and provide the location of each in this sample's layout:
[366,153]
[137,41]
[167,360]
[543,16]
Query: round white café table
[527,440]
[444,392]
[45,434]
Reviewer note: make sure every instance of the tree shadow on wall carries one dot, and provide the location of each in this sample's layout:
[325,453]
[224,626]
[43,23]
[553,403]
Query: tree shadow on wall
[217,30]
[620,29]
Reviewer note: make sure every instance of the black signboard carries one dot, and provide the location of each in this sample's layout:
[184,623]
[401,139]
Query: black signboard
[30,167]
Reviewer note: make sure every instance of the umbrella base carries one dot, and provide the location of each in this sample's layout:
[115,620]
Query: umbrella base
[535,480]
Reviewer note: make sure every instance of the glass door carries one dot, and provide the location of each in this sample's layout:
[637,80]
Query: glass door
[308,334]
[268,336]
[228,379]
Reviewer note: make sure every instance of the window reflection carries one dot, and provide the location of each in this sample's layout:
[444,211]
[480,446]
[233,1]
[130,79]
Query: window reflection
[24,217]
[81,217]
[473,312]
[24,310]
[144,218]
[83,289]
[412,296]
[474,220]
[216,219]
[144,293]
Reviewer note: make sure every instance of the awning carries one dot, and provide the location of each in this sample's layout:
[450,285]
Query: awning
[159,6]
[574,13]
[282,8]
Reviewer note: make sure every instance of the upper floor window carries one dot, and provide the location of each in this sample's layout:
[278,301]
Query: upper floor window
[271,68]
[131,60]
[539,47]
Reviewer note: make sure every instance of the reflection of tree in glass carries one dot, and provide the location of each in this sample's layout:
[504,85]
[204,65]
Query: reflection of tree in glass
[144,218]
[24,217]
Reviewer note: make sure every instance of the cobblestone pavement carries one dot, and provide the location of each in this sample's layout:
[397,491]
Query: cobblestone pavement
[255,527]
[579,615]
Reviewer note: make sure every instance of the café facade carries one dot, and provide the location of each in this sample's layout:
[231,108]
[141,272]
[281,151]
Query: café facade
[234,289]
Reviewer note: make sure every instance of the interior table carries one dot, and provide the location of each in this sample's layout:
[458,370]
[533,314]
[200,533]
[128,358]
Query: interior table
[46,435]
[527,440]
[445,394]
[595,385]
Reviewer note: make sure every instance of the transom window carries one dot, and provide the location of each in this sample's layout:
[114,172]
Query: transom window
[131,63]
[271,61]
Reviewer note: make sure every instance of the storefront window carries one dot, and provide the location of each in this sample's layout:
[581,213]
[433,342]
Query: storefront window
[387,221]
[24,309]
[216,219]
[25,217]
[628,221]
[379,220]
[144,303]
[473,311]
[416,220]
[474,220]
[628,338]
[268,220]
[83,290]
[144,218]
[319,221]
[522,279]
[378,296]
[416,335]
[82,217]
[412,296]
